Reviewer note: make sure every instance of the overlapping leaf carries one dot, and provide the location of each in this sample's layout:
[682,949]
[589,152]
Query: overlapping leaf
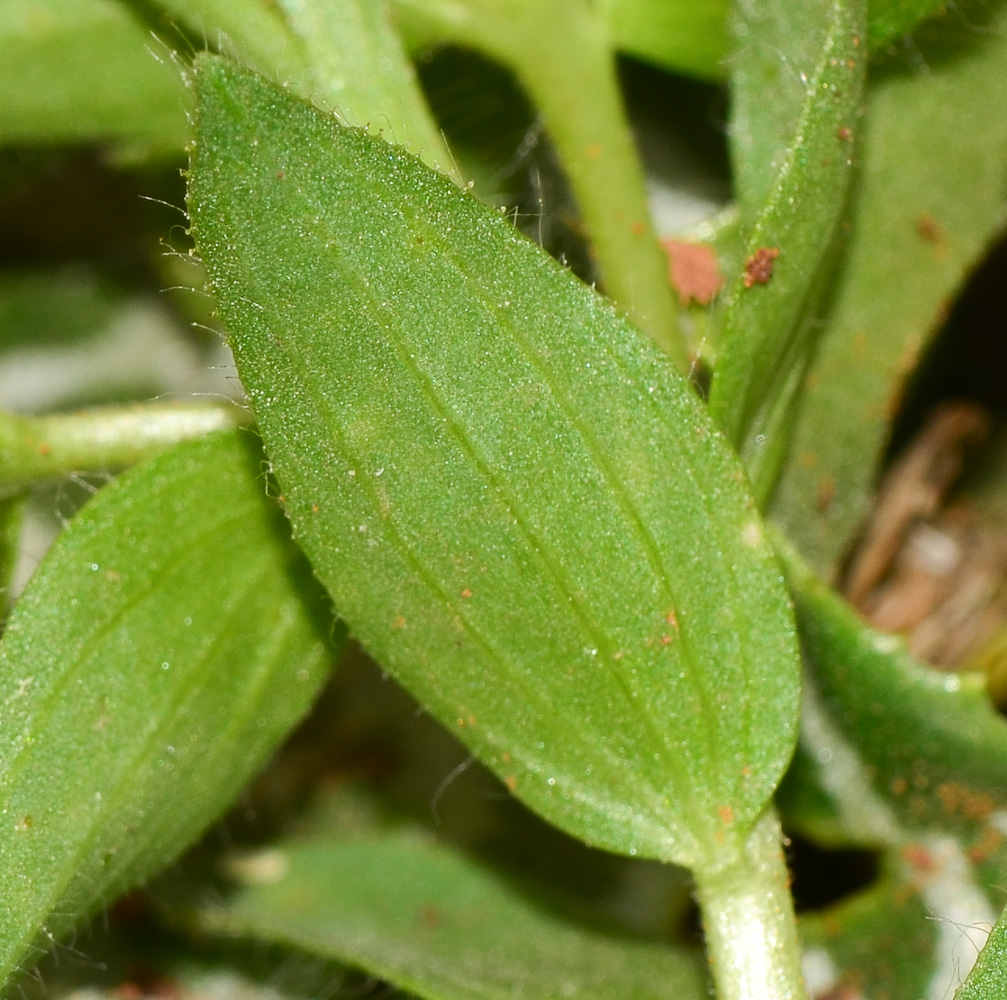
[167,642]
[519,507]
[930,746]
[924,211]
[794,136]
[434,923]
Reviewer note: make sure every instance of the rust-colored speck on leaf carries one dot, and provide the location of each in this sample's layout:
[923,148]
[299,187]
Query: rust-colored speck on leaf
[826,494]
[928,229]
[693,270]
[759,267]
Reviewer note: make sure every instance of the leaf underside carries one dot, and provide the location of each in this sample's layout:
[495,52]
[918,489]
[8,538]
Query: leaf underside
[517,505]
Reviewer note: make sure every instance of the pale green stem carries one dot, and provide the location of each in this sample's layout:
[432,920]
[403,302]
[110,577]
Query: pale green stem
[38,448]
[748,918]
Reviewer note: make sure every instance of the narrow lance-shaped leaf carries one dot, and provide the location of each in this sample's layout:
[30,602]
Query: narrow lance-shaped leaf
[924,212]
[164,646]
[519,507]
[434,923]
[770,321]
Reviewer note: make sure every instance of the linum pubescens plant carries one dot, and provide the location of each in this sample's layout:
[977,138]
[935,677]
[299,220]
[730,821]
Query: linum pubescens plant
[517,500]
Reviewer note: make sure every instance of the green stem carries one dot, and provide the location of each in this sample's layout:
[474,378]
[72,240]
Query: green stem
[562,54]
[748,918]
[39,448]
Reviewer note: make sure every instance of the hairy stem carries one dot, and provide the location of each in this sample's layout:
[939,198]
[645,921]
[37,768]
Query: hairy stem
[38,448]
[748,917]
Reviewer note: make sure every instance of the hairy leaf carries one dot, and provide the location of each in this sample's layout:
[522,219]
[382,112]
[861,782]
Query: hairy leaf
[924,210]
[927,749]
[436,924]
[988,978]
[517,504]
[770,315]
[166,643]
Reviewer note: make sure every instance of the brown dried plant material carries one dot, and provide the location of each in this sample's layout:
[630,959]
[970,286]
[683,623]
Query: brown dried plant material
[913,490]
[693,270]
[932,570]
[759,267]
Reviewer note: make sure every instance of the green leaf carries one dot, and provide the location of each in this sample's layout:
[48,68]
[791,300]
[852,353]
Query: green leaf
[11,520]
[343,54]
[166,643]
[877,943]
[894,19]
[85,70]
[908,748]
[561,52]
[912,934]
[685,37]
[988,978]
[361,70]
[434,923]
[520,508]
[924,210]
[770,327]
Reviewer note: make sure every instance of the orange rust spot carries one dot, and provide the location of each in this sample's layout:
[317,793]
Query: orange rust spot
[693,270]
[808,459]
[460,721]
[593,151]
[665,640]
[928,229]
[672,619]
[851,63]
[746,771]
[429,917]
[511,782]
[917,856]
[505,758]
[856,41]
[844,134]
[899,786]
[314,508]
[957,798]
[638,228]
[826,494]
[44,448]
[466,593]
[759,267]
[987,845]
[618,654]
[281,175]
[726,814]
[399,622]
[471,720]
